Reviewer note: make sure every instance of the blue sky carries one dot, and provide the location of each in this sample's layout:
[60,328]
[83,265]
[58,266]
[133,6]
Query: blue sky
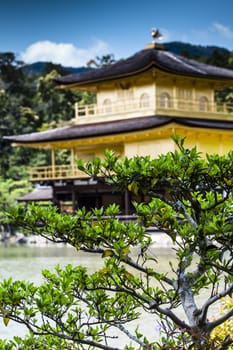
[71,32]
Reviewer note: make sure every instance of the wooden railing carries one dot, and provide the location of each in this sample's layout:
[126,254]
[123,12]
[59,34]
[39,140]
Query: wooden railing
[57,172]
[95,110]
[134,108]
[115,111]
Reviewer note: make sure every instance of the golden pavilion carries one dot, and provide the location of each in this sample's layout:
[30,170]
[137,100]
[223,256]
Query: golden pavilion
[141,102]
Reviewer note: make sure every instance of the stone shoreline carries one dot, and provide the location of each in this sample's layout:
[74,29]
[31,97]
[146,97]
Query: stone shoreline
[159,240]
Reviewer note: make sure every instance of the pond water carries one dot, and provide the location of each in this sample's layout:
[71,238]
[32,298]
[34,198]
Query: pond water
[26,262]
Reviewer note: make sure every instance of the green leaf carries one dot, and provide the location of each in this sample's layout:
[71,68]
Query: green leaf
[133,187]
[125,251]
[6,321]
[107,252]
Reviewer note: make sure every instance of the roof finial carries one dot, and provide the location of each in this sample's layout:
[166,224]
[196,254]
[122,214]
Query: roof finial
[155,33]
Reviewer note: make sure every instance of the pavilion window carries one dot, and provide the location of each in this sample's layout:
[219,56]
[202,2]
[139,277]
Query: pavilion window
[107,104]
[165,100]
[184,98]
[185,94]
[144,100]
[203,104]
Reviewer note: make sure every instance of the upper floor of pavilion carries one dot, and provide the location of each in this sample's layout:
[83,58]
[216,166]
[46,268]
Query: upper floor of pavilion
[151,82]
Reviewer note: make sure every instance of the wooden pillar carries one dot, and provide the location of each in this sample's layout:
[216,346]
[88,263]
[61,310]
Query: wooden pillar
[56,202]
[126,202]
[72,163]
[73,194]
[174,96]
[53,162]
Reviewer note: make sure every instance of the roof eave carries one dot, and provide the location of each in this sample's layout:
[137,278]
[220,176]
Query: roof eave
[88,83]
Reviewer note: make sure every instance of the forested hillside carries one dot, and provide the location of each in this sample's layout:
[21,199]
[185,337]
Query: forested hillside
[214,55]
[29,102]
[208,54]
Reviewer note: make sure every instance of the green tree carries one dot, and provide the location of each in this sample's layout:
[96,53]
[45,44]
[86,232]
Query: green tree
[56,106]
[10,190]
[191,202]
[220,58]
[10,71]
[16,114]
[30,103]
[103,61]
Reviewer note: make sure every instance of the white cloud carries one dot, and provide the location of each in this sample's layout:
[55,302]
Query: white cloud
[215,34]
[223,30]
[166,35]
[66,54]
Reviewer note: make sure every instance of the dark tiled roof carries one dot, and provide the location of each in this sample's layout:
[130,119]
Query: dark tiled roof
[144,60]
[116,127]
[40,193]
